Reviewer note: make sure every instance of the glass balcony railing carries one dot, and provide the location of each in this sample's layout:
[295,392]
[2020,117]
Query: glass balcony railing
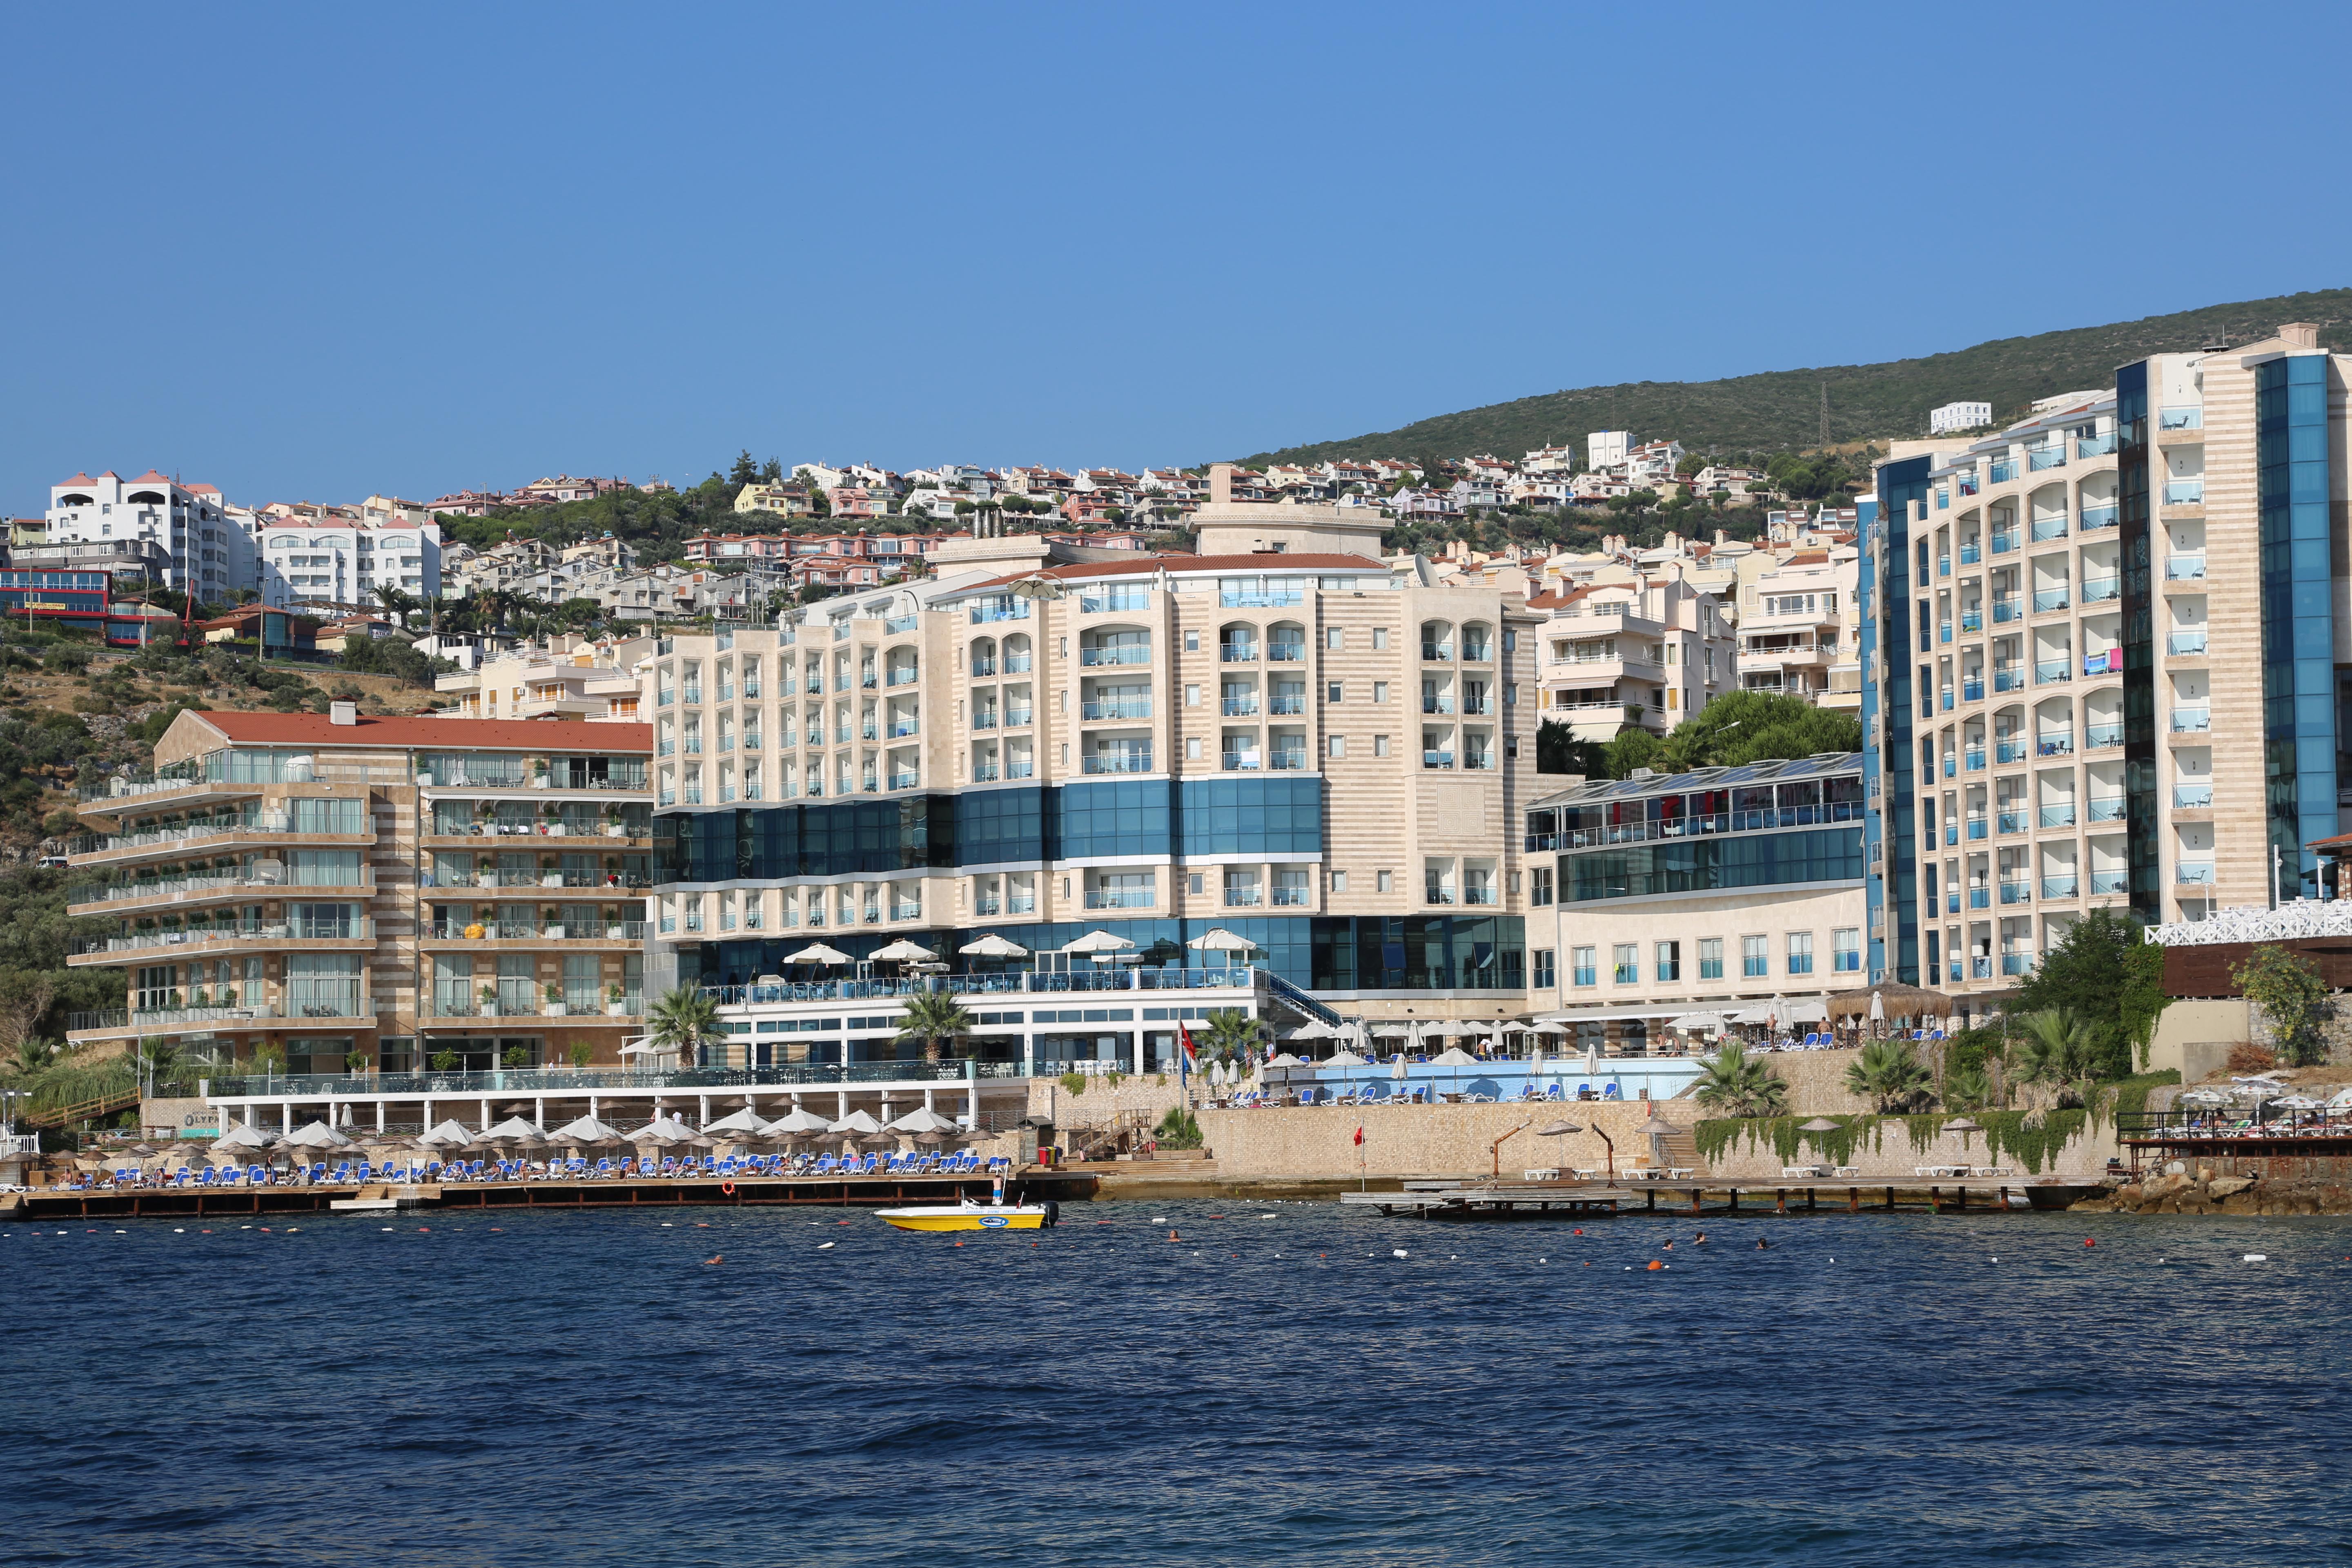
[2052,669]
[2095,445]
[1969,554]
[1971,620]
[1243,762]
[2009,609]
[2099,590]
[2061,744]
[2017,964]
[2192,720]
[1975,758]
[1282,702]
[1017,663]
[2047,599]
[2098,735]
[2179,643]
[2180,418]
[2055,816]
[2000,472]
[984,719]
[1942,631]
[1972,690]
[1116,708]
[2184,492]
[2184,568]
[1943,565]
[1286,653]
[1132,762]
[2192,796]
[1123,653]
[1120,898]
[1436,759]
[1437,704]
[2060,887]
[2098,517]
[2010,752]
[1238,706]
[2013,822]
[1979,827]
[1295,761]
[1979,898]
[2194,873]
[1951,835]
[1237,652]
[1020,769]
[2040,458]
[2003,544]
[2107,809]
[2016,892]
[2009,681]
[1944,696]
[2049,528]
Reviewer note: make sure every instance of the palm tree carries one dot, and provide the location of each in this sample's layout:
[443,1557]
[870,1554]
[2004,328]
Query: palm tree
[1970,1088]
[395,604]
[685,1020]
[1231,1034]
[934,1018]
[1889,1073]
[2057,1049]
[1741,1085]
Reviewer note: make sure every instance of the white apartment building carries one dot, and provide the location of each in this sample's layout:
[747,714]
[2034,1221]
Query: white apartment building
[1801,623]
[1606,449]
[188,522]
[1649,652]
[1954,417]
[322,561]
[573,677]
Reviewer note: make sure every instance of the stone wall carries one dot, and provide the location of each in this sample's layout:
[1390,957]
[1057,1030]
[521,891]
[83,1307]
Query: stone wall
[1102,1102]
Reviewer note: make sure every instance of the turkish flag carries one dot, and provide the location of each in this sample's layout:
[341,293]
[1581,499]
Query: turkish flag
[1359,1137]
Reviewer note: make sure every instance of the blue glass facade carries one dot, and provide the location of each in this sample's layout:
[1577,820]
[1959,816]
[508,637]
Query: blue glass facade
[1706,864]
[1873,827]
[2135,535]
[1902,496]
[2299,741]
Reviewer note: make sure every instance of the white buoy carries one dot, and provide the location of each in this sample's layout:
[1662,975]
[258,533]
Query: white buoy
[2258,1257]
[1398,1253]
[823,1245]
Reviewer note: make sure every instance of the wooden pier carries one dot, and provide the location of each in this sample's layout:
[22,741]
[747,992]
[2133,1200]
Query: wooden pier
[752,1192]
[1516,1200]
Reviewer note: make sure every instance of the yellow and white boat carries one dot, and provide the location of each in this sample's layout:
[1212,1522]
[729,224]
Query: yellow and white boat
[971,1216]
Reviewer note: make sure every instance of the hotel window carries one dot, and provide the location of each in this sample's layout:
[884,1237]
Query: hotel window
[1334,639]
[1670,961]
[1544,979]
[1192,642]
[1339,745]
[1385,881]
[1800,953]
[1846,950]
[1338,881]
[1539,886]
[1380,745]
[1380,691]
[1581,970]
[1627,964]
[1755,957]
[1710,958]
[1195,882]
[1380,637]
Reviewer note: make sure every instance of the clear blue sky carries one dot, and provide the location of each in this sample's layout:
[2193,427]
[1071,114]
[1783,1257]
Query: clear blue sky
[315,251]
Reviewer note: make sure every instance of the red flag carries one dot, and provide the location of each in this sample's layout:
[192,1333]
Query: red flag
[1359,1137]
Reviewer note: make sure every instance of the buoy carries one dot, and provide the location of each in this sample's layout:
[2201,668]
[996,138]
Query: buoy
[728,1188]
[1655,1264]
[2089,1241]
[822,1246]
[2258,1257]
[1399,1252]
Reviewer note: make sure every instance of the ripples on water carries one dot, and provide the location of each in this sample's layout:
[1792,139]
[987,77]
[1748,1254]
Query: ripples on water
[583,1388]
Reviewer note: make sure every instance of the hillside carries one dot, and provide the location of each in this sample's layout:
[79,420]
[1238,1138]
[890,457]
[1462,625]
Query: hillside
[1777,410]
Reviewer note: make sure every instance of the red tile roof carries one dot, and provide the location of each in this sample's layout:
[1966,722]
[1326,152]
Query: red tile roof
[151,476]
[448,734]
[81,479]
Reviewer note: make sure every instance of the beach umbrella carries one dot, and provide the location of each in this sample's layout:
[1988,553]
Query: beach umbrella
[1345,1058]
[903,952]
[242,1137]
[1396,1068]
[1098,941]
[450,1134]
[1548,1027]
[1455,1055]
[994,946]
[1658,1127]
[817,953]
[796,1123]
[1819,1125]
[1315,1029]
[1963,1126]
[586,1129]
[316,1135]
[857,1121]
[923,1119]
[1284,1060]
[1557,1129]
[744,1121]
[1394,1032]
[1696,1023]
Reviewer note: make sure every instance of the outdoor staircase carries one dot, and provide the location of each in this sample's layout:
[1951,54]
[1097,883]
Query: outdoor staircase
[1681,1150]
[84,1110]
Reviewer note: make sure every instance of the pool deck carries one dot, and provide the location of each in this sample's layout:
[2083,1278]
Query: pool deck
[752,1191]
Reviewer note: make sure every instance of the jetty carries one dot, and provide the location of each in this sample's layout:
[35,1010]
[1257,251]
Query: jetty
[1532,1199]
[127,1202]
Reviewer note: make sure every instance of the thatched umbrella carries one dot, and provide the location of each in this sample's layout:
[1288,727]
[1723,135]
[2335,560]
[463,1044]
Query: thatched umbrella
[1895,1000]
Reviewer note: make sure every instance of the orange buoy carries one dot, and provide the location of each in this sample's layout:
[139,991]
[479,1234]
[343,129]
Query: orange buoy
[728,1188]
[1655,1264]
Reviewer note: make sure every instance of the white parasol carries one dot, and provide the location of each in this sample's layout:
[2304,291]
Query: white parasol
[1098,941]
[903,952]
[994,946]
[817,953]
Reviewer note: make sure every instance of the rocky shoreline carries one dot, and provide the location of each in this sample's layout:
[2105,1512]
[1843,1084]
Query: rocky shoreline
[2204,1191]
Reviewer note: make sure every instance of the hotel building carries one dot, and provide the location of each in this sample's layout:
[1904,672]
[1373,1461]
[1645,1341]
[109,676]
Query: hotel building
[373,896]
[1713,891]
[2107,657]
[1281,738]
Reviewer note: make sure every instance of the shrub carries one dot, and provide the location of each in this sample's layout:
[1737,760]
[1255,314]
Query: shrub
[2247,1059]
[1075,1082]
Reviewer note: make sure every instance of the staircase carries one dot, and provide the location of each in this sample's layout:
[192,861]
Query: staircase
[105,1105]
[1681,1150]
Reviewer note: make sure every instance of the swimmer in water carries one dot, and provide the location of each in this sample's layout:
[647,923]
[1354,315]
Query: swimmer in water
[1762,1245]
[720,1258]
[1700,1240]
[1670,1247]
[1173,1237]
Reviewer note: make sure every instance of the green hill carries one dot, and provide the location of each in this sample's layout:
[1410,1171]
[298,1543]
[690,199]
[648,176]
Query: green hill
[1782,409]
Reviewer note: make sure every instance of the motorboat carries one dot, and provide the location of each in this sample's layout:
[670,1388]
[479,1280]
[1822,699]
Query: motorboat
[969,1215]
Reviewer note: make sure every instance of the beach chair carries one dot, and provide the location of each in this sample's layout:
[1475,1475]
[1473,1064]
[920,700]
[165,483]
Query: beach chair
[826,1164]
[604,1170]
[668,1166]
[257,1176]
[999,1164]
[432,1169]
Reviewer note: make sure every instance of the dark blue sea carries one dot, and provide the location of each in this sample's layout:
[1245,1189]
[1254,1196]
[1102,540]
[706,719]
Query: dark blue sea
[550,1390]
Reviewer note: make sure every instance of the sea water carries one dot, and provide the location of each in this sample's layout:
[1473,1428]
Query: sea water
[550,1389]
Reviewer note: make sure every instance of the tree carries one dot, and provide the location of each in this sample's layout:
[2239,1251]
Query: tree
[2293,999]
[1740,1085]
[2061,1046]
[934,1018]
[1633,747]
[745,471]
[1230,1035]
[771,472]
[2086,974]
[1888,1072]
[1750,726]
[685,1020]
[1557,751]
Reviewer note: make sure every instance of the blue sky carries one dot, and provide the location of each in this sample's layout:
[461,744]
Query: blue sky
[318,251]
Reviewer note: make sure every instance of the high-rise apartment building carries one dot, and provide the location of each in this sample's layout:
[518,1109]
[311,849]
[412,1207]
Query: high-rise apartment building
[348,896]
[207,551]
[2106,658]
[1280,737]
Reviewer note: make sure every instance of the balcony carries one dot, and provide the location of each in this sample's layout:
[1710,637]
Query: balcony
[1018,717]
[2098,517]
[1971,554]
[2055,744]
[2099,590]
[2017,964]
[1136,760]
[1972,620]
[1017,663]
[2051,457]
[1943,565]
[2094,736]
[1435,652]
[2047,599]
[2055,816]
[1020,903]
[1438,705]
[1120,600]
[1237,652]
[2191,418]
[2048,670]
[1116,653]
[2104,882]
[1979,898]
[2009,752]
[1289,703]
[1020,769]
[1437,759]
[1241,761]
[2184,492]
[198,938]
[1290,898]
[1942,631]
[893,625]
[2184,568]
[2182,644]
[907,780]
[1017,610]
[2095,445]
[1973,759]
[1120,898]
[1116,708]
[2194,873]
[2192,720]
[985,773]
[982,669]
[2109,808]
[2009,681]
[986,905]
[1286,653]
[2192,796]
[1239,707]
[327,1009]
[1979,827]
[2016,892]
[2000,470]
[1242,895]
[2004,543]
[2008,609]
[1972,690]
[1293,759]
[2013,822]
